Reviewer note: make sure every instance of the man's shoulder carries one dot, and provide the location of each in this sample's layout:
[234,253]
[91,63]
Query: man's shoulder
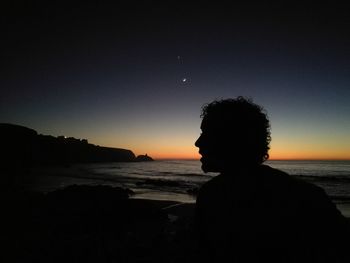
[269,181]
[265,175]
[294,189]
[282,178]
[274,178]
[273,173]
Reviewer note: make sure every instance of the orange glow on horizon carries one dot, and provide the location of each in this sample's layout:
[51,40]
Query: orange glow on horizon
[281,149]
[309,152]
[277,152]
[176,139]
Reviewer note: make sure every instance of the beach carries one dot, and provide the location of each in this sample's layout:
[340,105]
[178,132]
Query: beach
[95,224]
[71,213]
[178,181]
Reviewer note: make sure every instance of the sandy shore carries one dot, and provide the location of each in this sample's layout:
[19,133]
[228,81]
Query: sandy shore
[95,224]
[46,179]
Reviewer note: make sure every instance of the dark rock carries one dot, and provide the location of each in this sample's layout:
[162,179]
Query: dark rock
[83,223]
[144,158]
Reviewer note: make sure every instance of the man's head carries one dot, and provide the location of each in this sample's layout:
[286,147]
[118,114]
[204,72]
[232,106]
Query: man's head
[235,133]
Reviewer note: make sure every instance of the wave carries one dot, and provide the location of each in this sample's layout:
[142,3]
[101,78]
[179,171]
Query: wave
[340,178]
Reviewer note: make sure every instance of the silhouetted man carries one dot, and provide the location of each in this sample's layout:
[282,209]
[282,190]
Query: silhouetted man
[251,212]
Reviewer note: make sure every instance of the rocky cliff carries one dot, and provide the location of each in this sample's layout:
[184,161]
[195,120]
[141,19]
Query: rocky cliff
[21,146]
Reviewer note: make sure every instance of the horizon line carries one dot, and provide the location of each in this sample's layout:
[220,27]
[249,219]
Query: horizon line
[273,159]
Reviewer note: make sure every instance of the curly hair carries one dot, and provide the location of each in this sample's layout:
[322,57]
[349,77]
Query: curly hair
[249,122]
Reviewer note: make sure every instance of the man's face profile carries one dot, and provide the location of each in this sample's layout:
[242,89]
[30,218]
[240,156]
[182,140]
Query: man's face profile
[211,144]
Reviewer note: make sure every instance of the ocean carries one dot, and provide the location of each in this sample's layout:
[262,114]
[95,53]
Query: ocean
[177,180]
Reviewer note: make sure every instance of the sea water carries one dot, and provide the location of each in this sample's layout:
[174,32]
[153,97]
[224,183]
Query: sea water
[177,179]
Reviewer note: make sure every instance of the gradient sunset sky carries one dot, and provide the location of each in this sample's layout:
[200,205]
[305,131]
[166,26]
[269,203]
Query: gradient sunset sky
[135,76]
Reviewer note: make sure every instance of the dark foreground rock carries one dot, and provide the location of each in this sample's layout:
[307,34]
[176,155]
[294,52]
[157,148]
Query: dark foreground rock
[92,224]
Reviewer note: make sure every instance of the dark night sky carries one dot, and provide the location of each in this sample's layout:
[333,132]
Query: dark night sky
[114,73]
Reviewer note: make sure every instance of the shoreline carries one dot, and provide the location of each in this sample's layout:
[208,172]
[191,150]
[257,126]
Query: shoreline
[97,223]
[47,179]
